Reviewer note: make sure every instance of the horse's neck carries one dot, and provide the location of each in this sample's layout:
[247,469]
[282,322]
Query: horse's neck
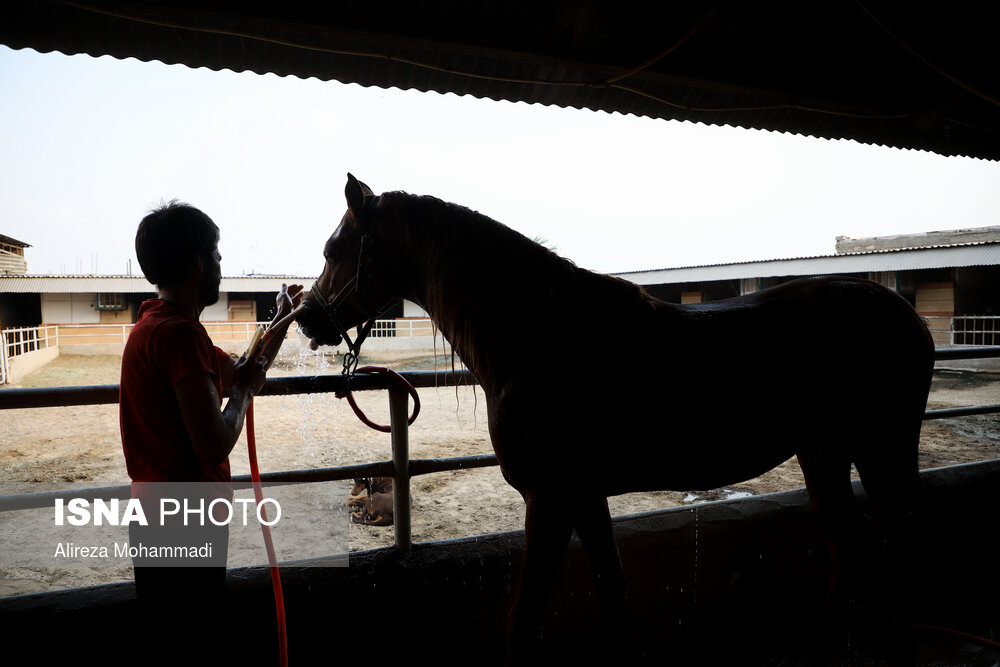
[463,318]
[461,296]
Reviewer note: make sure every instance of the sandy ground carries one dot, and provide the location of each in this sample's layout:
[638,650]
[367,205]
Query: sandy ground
[73,446]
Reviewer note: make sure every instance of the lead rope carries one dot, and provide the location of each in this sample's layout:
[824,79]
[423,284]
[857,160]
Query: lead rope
[394,377]
[258,492]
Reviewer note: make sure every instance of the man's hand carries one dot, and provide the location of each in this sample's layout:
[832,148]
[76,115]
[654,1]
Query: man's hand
[288,298]
[251,373]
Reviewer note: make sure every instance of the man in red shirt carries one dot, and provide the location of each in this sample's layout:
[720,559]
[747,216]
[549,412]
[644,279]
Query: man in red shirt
[174,427]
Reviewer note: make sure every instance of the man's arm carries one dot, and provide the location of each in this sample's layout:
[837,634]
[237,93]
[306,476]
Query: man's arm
[213,432]
[228,372]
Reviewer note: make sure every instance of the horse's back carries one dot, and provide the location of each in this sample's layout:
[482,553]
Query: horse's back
[807,344]
[811,326]
[710,394]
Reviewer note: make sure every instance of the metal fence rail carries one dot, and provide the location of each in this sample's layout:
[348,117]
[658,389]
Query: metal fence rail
[401,468]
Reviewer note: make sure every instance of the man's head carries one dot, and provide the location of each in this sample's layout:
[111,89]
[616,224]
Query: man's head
[174,243]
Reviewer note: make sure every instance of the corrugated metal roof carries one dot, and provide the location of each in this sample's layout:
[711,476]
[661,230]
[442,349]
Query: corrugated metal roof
[908,75]
[11,241]
[890,260]
[263,283]
[133,284]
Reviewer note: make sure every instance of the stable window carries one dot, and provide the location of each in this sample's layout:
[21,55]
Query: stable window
[12,249]
[109,301]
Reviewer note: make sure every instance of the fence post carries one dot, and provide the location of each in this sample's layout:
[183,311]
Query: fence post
[4,369]
[398,402]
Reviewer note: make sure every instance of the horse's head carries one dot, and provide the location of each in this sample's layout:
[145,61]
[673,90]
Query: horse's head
[345,295]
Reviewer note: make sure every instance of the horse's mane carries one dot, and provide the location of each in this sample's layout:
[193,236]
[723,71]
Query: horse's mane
[486,280]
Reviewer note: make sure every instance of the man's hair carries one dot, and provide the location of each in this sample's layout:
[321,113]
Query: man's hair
[170,241]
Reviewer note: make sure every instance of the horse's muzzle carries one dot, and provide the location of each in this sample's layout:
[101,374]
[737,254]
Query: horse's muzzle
[316,326]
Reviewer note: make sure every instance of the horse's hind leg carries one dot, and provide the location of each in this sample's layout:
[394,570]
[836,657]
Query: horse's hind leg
[827,474]
[593,526]
[889,472]
[547,529]
[827,471]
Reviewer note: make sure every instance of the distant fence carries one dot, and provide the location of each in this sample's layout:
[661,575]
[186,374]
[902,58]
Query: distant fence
[43,342]
[965,329]
[25,342]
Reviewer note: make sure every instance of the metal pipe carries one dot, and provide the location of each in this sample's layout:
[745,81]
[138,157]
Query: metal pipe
[38,499]
[946,413]
[982,352]
[41,397]
[45,397]
[380,469]
[398,417]
[427,466]
[25,501]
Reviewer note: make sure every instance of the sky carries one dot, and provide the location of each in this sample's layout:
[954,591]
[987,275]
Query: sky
[89,145]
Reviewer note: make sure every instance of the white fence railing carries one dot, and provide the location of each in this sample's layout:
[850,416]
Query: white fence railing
[402,328]
[965,329]
[22,340]
[975,330]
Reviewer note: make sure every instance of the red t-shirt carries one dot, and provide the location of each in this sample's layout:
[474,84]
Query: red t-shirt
[165,346]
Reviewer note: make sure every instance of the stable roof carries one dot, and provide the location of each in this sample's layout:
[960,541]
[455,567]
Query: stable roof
[977,254]
[906,75]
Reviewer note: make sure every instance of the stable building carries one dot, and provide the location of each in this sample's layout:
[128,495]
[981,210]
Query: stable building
[12,260]
[28,301]
[951,277]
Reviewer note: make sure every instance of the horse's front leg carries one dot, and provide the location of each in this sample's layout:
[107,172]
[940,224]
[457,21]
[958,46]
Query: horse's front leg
[546,533]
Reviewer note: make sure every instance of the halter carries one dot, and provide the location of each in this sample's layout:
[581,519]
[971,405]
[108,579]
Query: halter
[356,284]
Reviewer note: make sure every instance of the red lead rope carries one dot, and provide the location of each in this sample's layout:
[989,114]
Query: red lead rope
[258,492]
[395,377]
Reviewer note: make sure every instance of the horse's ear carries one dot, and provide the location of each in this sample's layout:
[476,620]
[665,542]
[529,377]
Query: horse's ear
[357,194]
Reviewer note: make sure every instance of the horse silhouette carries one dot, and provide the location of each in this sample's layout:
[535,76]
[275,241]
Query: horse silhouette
[833,370]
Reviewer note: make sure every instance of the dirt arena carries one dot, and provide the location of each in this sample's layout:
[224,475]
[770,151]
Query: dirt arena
[81,444]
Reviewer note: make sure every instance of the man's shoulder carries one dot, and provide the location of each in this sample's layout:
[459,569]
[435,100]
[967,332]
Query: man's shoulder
[166,319]
[157,335]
